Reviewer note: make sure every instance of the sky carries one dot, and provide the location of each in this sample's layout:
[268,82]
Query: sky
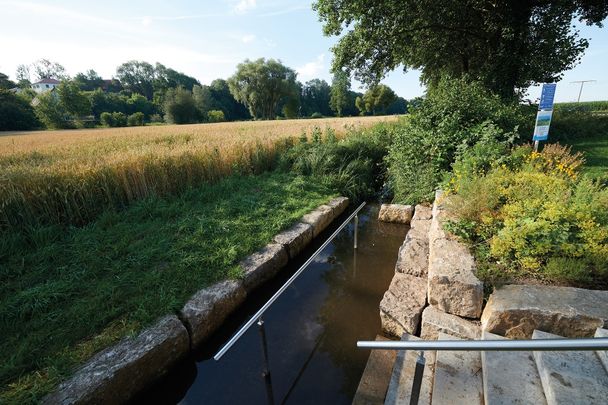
[207,39]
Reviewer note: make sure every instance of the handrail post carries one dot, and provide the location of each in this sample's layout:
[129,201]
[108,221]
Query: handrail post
[356,230]
[417,382]
[266,366]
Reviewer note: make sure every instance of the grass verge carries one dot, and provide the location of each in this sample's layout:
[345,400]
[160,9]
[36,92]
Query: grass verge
[595,150]
[66,293]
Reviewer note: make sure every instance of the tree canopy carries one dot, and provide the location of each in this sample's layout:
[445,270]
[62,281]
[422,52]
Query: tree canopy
[376,100]
[506,45]
[262,84]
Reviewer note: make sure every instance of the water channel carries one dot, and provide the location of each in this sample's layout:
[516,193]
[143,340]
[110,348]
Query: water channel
[312,329]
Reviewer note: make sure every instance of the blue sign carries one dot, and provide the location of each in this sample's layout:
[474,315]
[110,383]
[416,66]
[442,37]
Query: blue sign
[546,96]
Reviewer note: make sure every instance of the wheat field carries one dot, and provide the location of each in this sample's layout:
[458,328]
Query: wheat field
[70,176]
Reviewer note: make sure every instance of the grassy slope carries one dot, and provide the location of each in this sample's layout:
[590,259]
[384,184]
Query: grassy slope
[596,154]
[65,294]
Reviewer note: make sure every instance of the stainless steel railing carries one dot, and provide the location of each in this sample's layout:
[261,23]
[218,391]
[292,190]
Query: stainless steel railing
[490,345]
[479,345]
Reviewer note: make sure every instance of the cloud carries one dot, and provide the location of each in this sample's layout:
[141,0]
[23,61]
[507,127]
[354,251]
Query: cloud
[244,6]
[312,69]
[247,39]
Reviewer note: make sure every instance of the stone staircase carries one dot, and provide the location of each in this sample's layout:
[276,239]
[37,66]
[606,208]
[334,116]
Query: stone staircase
[491,378]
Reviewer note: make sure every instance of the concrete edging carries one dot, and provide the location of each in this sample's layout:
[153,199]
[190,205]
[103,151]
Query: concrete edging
[118,373]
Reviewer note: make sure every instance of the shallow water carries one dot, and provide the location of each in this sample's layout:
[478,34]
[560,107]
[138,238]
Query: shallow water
[312,329]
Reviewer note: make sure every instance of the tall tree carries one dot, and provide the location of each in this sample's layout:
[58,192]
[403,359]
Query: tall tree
[225,101]
[508,45]
[73,101]
[339,97]
[45,69]
[261,85]
[376,100]
[179,107]
[138,77]
[15,112]
[315,97]
[167,78]
[89,80]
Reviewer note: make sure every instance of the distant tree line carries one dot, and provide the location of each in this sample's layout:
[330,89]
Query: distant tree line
[144,93]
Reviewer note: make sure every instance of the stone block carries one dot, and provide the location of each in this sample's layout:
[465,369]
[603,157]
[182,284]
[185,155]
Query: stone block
[515,311]
[457,376]
[402,304]
[422,212]
[400,387]
[209,307]
[570,377]
[397,213]
[338,205]
[435,321]
[453,286]
[510,377]
[376,377]
[263,265]
[295,238]
[413,257]
[118,373]
[602,354]
[319,219]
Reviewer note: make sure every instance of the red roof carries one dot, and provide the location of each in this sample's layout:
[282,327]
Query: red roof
[47,80]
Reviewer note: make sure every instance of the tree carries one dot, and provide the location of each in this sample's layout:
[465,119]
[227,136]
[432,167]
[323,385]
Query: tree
[506,45]
[216,116]
[23,76]
[399,106]
[45,69]
[15,112]
[72,100]
[203,99]
[225,101]
[167,78]
[138,77]
[261,85]
[89,81]
[179,107]
[316,94]
[5,82]
[376,100]
[50,111]
[340,86]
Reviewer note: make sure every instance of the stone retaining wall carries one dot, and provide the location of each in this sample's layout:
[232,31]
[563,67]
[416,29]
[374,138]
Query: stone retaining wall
[118,373]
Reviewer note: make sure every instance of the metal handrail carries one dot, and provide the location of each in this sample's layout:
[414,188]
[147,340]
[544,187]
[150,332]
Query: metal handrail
[490,345]
[257,316]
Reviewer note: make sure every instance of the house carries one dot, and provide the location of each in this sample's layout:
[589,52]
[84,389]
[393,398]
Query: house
[45,85]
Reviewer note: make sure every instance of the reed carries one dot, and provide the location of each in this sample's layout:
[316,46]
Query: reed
[69,177]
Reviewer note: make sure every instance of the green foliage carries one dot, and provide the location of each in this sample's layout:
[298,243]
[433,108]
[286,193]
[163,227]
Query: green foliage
[316,115]
[179,107]
[216,116]
[533,214]
[504,46]
[570,125]
[376,100]
[73,101]
[135,119]
[585,106]
[106,119]
[50,111]
[339,97]
[69,292]
[138,77]
[119,119]
[261,85]
[316,96]
[453,117]
[352,166]
[6,83]
[16,113]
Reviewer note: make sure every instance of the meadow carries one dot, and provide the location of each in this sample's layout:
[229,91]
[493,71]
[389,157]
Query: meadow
[71,176]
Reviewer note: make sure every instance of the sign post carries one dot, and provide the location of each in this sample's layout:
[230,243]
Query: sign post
[544,115]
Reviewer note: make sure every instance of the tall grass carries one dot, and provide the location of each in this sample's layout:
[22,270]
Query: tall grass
[69,177]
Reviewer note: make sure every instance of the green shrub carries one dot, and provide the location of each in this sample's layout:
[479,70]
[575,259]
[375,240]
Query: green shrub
[353,166]
[585,106]
[136,119]
[119,119]
[316,115]
[216,116]
[156,118]
[453,117]
[16,113]
[106,119]
[569,125]
[533,214]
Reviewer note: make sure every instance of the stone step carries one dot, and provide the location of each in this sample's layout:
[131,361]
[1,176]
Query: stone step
[603,355]
[400,387]
[510,377]
[458,377]
[570,377]
[376,377]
